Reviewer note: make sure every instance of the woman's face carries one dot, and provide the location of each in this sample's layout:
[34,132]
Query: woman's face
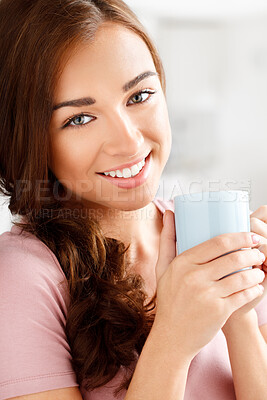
[110,114]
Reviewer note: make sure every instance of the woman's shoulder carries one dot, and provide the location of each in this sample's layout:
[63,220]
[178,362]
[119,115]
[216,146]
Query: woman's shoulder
[29,268]
[33,309]
[19,248]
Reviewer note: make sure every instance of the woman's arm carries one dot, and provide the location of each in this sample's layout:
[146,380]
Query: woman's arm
[160,373]
[245,340]
[248,357]
[193,303]
[263,329]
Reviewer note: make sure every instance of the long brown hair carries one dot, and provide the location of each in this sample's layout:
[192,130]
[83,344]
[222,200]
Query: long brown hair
[108,321]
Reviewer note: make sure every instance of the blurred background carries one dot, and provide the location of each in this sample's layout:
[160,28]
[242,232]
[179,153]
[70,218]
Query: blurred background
[215,58]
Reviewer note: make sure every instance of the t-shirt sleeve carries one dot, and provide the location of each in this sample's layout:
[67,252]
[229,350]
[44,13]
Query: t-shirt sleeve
[164,205]
[34,352]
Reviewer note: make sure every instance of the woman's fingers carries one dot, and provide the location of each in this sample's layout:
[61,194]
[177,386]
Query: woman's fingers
[260,213]
[263,250]
[239,299]
[219,245]
[167,247]
[259,227]
[233,262]
[240,281]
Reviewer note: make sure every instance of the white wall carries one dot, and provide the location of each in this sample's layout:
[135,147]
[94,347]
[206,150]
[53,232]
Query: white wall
[217,96]
[199,9]
[5,215]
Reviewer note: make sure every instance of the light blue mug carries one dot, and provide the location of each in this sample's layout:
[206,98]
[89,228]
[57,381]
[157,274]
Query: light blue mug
[201,216]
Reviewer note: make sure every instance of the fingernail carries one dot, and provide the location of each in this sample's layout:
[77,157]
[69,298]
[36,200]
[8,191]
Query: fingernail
[255,238]
[263,274]
[262,256]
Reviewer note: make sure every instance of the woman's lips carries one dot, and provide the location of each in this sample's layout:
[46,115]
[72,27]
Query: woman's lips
[137,180]
[127,165]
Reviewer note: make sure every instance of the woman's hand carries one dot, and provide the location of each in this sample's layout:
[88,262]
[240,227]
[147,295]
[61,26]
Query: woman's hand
[193,302]
[258,224]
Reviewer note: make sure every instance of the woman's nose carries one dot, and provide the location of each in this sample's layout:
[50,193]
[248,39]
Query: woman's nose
[123,136]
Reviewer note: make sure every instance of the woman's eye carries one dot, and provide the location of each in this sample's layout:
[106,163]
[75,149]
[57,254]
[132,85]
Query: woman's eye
[141,97]
[79,120]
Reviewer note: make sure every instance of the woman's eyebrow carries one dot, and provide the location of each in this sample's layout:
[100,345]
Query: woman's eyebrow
[137,79]
[88,101]
[85,101]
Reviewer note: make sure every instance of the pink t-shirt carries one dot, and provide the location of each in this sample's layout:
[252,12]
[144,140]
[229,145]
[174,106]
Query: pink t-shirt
[34,353]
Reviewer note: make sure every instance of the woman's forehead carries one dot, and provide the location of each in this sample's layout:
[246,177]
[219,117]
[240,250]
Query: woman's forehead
[115,55]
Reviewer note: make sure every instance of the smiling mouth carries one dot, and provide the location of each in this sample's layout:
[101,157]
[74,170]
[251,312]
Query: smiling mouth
[133,181]
[127,173]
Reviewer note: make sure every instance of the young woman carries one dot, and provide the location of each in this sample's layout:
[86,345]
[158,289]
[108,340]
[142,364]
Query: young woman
[94,301]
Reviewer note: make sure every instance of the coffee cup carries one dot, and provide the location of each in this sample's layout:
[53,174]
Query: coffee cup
[202,216]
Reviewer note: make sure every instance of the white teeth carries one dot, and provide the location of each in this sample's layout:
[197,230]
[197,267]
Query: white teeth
[127,172]
[119,173]
[135,170]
